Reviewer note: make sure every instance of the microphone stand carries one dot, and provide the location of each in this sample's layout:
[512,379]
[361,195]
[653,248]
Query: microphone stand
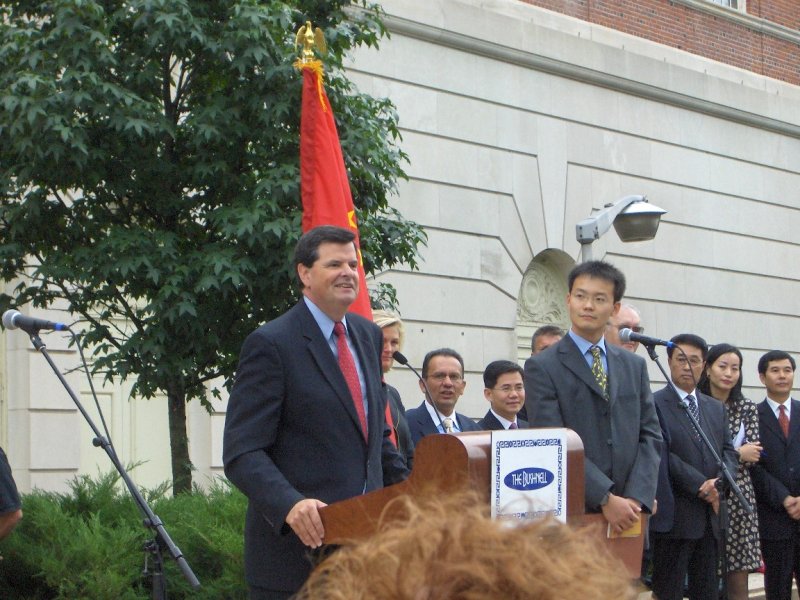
[162,540]
[726,482]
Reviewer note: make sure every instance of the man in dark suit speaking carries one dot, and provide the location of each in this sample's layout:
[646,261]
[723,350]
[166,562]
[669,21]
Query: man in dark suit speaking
[602,392]
[305,423]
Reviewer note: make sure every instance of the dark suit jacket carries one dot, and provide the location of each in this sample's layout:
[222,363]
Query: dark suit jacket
[777,474]
[490,423]
[620,436]
[404,442]
[291,432]
[662,521]
[421,424]
[690,462]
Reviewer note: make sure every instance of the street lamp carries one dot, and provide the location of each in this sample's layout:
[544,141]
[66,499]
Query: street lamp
[634,218]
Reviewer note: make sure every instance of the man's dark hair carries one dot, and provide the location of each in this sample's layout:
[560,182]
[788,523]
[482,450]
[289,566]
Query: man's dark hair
[689,339]
[306,252]
[546,330]
[496,368]
[772,356]
[441,352]
[599,269]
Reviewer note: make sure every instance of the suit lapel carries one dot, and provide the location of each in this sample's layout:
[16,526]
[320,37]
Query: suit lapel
[794,422]
[705,418]
[614,372]
[426,424]
[491,421]
[461,420]
[573,360]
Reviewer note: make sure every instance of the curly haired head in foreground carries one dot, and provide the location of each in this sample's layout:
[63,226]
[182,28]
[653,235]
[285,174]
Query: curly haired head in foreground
[451,549]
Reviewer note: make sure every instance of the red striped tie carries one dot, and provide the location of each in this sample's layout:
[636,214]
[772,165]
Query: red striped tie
[348,367]
[783,420]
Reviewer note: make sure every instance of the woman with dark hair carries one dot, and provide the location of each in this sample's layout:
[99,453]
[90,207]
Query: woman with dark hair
[722,379]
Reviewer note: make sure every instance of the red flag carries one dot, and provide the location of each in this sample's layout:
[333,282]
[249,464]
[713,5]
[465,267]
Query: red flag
[324,186]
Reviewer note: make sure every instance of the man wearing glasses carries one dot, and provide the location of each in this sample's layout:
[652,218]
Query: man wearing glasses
[443,373]
[602,393]
[690,546]
[627,317]
[506,395]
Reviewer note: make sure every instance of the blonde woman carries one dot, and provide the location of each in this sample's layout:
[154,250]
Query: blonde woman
[393,337]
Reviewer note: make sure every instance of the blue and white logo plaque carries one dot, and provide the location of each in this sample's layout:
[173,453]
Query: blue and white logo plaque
[529,474]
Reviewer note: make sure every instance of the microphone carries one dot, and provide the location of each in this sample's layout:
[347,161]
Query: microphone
[13,319]
[400,358]
[627,335]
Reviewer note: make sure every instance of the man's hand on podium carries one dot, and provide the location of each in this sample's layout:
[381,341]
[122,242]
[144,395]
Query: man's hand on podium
[305,521]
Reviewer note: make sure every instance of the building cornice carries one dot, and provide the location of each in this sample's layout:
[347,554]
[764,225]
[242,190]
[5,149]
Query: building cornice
[471,45]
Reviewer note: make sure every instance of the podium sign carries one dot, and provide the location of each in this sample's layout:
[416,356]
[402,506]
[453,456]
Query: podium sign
[529,474]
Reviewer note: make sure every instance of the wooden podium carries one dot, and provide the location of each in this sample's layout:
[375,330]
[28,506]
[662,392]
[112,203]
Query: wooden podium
[451,463]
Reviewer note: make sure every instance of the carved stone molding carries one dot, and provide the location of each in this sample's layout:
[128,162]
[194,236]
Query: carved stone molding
[543,290]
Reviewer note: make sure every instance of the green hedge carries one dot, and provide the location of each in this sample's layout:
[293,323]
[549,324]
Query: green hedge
[87,544]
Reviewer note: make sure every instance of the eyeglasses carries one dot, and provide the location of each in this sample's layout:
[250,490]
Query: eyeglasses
[694,361]
[507,389]
[634,328]
[440,377]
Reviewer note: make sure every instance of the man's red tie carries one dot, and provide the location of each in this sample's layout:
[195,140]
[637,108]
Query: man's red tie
[783,420]
[348,367]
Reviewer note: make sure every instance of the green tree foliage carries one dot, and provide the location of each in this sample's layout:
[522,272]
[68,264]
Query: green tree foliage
[88,543]
[149,175]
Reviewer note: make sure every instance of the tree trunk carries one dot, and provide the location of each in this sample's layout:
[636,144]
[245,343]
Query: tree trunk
[179,440]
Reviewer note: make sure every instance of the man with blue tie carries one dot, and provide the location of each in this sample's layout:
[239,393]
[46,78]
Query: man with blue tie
[443,376]
[689,547]
[776,477]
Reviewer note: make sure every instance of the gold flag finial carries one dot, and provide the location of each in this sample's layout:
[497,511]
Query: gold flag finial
[310,37]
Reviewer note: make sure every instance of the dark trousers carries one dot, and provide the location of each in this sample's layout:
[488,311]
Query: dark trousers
[781,561]
[259,593]
[674,559]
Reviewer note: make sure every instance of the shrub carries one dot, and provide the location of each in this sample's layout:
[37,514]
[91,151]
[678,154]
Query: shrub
[88,543]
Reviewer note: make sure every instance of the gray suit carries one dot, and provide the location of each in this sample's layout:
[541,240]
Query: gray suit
[621,436]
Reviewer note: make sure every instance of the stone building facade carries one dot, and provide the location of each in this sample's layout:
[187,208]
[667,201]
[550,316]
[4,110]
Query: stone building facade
[520,119]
